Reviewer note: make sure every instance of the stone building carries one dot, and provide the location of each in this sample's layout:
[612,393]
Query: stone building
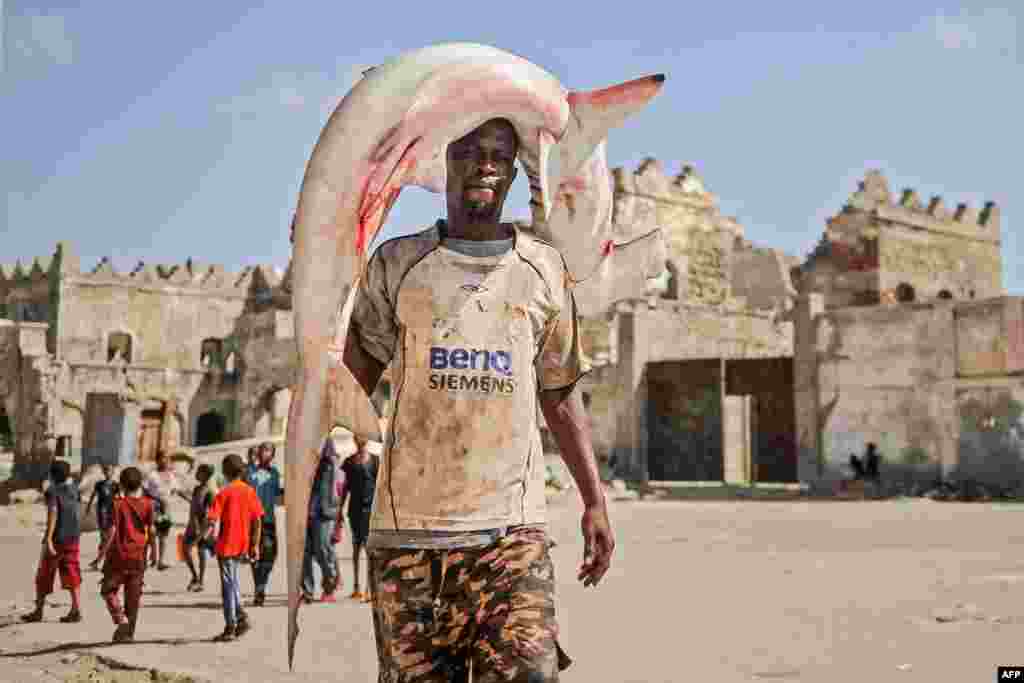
[905,337]
[696,381]
[742,363]
[116,366]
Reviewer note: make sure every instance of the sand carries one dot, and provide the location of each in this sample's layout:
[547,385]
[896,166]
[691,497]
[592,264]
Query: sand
[905,590]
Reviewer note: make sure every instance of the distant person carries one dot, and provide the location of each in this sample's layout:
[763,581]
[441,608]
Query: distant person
[60,551]
[265,478]
[872,462]
[857,466]
[124,553]
[324,518]
[360,471]
[251,461]
[237,511]
[161,484]
[198,524]
[103,493]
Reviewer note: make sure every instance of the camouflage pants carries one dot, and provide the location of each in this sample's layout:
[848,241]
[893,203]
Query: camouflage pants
[436,613]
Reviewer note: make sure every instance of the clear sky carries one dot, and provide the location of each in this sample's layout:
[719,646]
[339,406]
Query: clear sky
[163,131]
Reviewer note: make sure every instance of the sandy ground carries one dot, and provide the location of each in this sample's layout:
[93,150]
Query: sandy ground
[908,590]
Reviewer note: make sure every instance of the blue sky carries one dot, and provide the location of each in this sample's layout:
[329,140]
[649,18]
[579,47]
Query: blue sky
[163,131]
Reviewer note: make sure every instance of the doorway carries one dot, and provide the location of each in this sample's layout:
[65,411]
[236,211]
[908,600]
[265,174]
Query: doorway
[149,435]
[210,428]
[684,421]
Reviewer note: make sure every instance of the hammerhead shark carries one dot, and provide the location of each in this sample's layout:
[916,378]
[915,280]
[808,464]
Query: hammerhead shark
[392,130]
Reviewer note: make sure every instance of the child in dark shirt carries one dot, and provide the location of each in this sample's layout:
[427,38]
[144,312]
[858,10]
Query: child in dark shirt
[195,533]
[60,544]
[124,553]
[103,494]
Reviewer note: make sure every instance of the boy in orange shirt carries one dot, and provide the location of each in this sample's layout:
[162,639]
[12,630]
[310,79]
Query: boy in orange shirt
[237,512]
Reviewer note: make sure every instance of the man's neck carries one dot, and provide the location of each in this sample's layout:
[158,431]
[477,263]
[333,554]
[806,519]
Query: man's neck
[478,232]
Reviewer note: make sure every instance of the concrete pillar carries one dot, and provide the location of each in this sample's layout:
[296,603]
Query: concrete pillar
[280,403]
[131,419]
[805,379]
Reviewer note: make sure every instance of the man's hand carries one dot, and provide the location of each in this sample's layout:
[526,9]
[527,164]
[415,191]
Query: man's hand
[598,544]
[336,536]
[50,549]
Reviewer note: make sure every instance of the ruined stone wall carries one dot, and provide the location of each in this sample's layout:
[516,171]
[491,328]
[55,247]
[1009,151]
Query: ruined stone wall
[699,239]
[266,341]
[760,276]
[877,244]
[897,375]
[167,311]
[677,331]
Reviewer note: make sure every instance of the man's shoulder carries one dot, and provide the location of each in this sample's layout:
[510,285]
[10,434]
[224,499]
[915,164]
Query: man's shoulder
[542,257]
[399,254]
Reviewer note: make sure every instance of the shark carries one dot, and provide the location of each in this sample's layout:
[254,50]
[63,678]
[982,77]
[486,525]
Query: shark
[391,131]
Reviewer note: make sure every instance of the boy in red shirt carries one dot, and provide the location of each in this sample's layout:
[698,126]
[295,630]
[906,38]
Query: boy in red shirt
[237,511]
[124,551]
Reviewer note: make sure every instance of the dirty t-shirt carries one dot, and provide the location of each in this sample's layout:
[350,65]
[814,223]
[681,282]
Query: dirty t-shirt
[470,339]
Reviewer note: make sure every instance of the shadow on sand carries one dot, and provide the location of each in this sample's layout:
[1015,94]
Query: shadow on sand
[76,646]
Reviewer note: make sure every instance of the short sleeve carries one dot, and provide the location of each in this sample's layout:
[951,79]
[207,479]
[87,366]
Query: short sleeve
[560,362]
[373,316]
[256,506]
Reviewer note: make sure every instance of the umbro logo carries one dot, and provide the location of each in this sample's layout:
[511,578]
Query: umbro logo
[476,289]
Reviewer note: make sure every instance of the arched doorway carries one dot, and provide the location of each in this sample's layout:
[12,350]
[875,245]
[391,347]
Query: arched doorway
[210,429]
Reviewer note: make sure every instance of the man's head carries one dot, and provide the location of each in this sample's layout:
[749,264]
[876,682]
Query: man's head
[265,454]
[360,442]
[131,479]
[232,466]
[481,168]
[162,461]
[60,470]
[203,473]
[108,470]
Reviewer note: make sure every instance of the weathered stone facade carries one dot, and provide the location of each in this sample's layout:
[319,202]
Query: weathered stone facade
[137,362]
[904,337]
[741,364]
[663,365]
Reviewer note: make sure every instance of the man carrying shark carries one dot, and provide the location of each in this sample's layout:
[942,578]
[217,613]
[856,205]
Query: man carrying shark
[480,323]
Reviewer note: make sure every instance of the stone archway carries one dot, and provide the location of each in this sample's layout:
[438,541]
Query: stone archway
[210,429]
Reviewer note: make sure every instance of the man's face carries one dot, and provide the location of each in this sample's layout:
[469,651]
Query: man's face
[108,471]
[161,462]
[481,168]
[265,455]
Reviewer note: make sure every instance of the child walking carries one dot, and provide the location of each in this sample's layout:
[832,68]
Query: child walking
[238,511]
[198,523]
[60,551]
[125,554]
[103,494]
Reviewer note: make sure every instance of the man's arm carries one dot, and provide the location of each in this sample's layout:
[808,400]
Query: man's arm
[92,497]
[563,410]
[51,528]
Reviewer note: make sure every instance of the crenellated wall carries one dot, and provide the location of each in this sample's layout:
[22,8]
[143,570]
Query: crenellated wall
[879,248]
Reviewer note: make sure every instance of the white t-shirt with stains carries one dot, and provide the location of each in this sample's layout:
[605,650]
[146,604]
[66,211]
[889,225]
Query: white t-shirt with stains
[471,340]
